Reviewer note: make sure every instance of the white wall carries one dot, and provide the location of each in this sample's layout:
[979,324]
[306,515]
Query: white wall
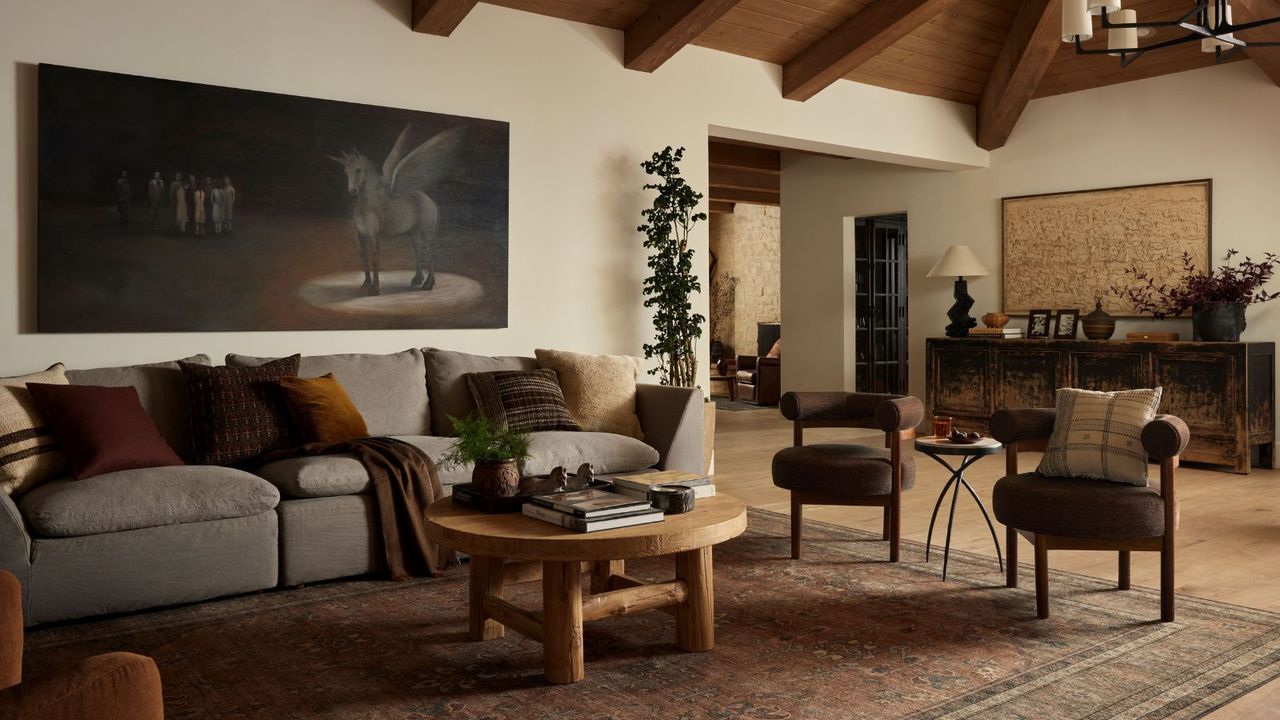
[1221,123]
[580,125]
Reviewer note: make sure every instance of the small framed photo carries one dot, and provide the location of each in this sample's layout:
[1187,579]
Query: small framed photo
[1038,323]
[1066,327]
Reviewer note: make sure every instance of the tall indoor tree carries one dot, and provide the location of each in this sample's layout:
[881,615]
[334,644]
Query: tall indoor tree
[667,290]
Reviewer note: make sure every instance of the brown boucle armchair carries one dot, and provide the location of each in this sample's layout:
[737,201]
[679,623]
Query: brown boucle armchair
[1086,514]
[839,474]
[111,686]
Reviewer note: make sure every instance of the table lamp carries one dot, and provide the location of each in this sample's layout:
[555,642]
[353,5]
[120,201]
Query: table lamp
[959,262]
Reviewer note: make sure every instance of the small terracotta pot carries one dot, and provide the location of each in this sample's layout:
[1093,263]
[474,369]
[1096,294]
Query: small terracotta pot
[995,319]
[496,478]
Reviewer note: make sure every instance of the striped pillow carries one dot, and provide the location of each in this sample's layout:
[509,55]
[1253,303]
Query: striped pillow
[1099,435]
[29,455]
[521,400]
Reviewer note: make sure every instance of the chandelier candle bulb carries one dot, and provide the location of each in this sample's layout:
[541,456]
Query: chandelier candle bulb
[1076,23]
[1104,7]
[1122,38]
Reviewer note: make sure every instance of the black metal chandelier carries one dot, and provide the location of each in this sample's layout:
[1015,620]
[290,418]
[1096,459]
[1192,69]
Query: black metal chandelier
[1208,21]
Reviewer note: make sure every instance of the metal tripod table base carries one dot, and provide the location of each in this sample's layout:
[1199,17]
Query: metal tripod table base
[938,449]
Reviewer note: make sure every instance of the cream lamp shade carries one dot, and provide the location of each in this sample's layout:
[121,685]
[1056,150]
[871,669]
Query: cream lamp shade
[1100,7]
[1076,21]
[1123,38]
[958,261]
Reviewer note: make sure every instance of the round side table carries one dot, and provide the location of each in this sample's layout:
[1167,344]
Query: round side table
[939,449]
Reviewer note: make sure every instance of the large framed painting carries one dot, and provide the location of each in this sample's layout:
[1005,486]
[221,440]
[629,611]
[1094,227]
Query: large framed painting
[170,206]
[1063,250]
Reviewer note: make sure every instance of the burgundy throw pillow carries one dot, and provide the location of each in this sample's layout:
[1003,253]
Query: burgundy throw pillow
[102,429]
[239,413]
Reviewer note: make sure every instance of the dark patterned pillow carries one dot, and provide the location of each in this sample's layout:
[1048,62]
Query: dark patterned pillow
[525,400]
[239,413]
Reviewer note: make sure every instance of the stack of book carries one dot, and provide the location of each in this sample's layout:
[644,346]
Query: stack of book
[591,510]
[1004,332]
[638,484]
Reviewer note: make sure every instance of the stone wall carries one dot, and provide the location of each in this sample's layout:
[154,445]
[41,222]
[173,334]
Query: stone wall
[746,278]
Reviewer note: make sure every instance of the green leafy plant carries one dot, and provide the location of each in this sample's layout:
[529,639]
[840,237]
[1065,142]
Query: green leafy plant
[482,440]
[667,225]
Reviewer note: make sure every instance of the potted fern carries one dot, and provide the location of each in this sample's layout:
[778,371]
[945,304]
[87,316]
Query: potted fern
[667,225]
[496,452]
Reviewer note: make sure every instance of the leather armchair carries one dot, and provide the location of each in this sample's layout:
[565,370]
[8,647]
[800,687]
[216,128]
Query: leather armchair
[112,686]
[759,379]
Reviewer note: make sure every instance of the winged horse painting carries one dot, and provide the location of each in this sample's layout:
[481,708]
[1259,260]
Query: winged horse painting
[394,202]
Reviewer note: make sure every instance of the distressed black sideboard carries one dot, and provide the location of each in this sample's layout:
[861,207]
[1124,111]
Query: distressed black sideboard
[1224,391]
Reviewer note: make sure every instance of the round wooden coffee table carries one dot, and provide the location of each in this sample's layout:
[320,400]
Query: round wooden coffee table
[509,549]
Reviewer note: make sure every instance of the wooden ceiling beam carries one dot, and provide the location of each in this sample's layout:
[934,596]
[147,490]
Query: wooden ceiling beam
[747,157]
[721,206]
[1266,58]
[741,179]
[855,41]
[748,197]
[439,17]
[1029,48]
[667,26]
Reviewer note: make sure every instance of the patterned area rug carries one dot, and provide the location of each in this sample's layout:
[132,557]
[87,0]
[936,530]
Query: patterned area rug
[841,634]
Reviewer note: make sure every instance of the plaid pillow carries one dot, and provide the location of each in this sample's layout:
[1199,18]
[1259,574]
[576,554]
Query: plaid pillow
[239,413]
[1099,435]
[524,400]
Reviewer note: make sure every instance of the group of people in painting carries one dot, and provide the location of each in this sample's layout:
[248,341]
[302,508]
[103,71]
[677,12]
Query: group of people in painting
[187,202]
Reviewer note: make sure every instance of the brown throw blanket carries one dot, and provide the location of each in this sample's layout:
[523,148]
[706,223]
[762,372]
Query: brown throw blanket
[405,482]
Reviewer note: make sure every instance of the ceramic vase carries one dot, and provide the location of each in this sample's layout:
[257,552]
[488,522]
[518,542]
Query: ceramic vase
[1099,324]
[496,478]
[1221,323]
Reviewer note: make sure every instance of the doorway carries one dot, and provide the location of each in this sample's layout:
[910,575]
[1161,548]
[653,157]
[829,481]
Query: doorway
[880,304]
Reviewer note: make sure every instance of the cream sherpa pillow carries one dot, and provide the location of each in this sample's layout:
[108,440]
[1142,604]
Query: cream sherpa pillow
[600,390]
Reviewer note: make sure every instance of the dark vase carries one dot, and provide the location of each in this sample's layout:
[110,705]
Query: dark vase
[496,478]
[1099,324]
[1219,323]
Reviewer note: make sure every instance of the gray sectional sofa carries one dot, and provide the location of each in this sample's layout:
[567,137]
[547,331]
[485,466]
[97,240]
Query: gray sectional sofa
[145,538]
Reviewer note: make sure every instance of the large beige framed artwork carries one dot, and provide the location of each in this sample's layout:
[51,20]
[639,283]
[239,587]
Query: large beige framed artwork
[1062,250]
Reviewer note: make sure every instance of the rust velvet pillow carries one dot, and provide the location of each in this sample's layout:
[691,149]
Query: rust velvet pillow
[102,429]
[322,410]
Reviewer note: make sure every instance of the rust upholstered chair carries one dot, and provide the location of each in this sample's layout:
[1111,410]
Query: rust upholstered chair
[112,686]
[1085,514]
[839,474]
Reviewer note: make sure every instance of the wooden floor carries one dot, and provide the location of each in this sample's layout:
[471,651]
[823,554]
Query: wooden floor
[1228,538]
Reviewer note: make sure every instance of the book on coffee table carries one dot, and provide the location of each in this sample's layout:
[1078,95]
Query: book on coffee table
[551,515]
[590,503]
[638,484]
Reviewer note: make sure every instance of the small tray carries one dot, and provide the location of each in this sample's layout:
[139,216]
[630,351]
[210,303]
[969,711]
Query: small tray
[465,494]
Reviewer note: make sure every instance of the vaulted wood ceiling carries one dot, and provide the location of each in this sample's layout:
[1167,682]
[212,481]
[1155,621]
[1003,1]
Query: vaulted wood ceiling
[994,54]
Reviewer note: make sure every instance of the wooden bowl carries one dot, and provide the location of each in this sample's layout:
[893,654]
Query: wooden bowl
[963,440]
[995,319]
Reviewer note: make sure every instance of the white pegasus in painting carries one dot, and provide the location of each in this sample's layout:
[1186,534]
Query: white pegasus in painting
[393,202]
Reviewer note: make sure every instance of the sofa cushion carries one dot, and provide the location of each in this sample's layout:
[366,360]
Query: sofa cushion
[333,475]
[239,413]
[161,389]
[29,453]
[323,410]
[608,452]
[522,400]
[599,389]
[390,391]
[102,429]
[150,497]
[447,382]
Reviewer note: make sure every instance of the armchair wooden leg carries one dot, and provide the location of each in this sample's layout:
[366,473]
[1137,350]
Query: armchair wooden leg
[895,528]
[1166,579]
[888,521]
[1123,574]
[1042,577]
[1011,557]
[797,517]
